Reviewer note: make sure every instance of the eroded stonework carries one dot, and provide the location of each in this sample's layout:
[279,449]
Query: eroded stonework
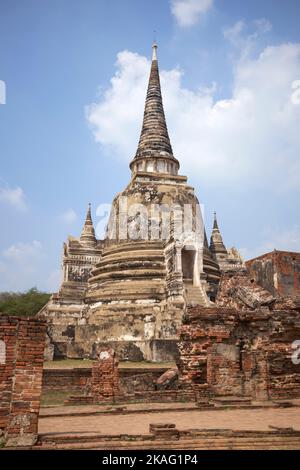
[130,290]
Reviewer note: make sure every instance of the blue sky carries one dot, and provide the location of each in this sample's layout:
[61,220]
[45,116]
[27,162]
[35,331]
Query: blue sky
[230,77]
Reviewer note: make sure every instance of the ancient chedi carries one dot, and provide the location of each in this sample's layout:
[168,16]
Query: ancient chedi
[154,261]
[79,257]
[228,260]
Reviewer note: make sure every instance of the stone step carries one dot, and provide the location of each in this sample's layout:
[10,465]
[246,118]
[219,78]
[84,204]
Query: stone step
[196,298]
[195,295]
[169,446]
[209,436]
[207,439]
[215,442]
[231,401]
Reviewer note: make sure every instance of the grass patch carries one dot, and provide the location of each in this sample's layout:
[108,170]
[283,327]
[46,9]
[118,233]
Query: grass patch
[82,363]
[53,397]
[68,364]
[145,364]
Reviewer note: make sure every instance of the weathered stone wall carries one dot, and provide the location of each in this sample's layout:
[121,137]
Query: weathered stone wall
[224,351]
[136,332]
[21,369]
[278,272]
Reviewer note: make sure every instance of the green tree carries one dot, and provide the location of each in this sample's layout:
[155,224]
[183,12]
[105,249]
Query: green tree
[23,303]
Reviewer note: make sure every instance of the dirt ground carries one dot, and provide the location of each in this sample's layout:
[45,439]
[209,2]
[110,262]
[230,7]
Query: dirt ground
[243,419]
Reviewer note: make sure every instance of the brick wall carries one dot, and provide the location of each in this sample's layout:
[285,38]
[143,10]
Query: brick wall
[21,378]
[224,374]
[78,379]
[105,377]
[8,336]
[224,351]
[72,380]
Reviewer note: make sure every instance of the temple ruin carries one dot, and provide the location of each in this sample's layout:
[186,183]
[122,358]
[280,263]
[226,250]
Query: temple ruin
[129,291]
[155,290]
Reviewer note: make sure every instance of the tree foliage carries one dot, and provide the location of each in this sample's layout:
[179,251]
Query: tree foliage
[23,303]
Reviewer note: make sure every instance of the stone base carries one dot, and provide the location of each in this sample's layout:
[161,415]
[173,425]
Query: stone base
[25,440]
[157,350]
[137,332]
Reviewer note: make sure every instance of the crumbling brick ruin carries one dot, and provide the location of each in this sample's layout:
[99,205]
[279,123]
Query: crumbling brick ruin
[243,346]
[105,377]
[106,383]
[21,368]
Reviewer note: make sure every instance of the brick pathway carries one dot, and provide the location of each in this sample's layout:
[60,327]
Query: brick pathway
[255,419]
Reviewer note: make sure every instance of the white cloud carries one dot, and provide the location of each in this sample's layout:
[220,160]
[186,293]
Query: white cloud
[234,34]
[21,252]
[25,265]
[2,92]
[21,266]
[13,197]
[188,12]
[263,25]
[244,37]
[69,216]
[116,119]
[238,140]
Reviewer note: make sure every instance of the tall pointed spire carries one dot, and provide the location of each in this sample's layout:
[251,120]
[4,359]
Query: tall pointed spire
[154,51]
[154,139]
[216,242]
[88,233]
[215,226]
